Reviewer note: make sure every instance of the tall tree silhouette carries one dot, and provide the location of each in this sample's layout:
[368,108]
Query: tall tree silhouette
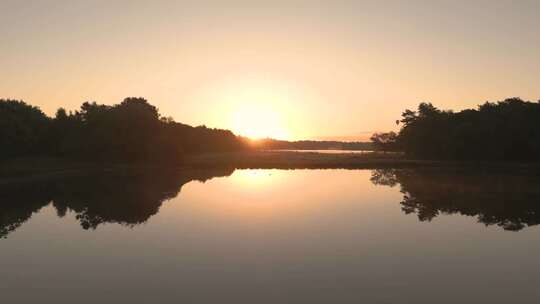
[131,131]
[506,130]
[22,128]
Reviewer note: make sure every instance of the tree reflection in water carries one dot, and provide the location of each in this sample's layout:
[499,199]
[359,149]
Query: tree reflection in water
[126,199]
[510,200]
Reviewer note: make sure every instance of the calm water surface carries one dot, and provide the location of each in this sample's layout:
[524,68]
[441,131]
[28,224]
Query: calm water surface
[273,236]
[327,151]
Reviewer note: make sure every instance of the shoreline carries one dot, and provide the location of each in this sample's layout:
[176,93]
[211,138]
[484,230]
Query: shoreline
[24,170]
[314,160]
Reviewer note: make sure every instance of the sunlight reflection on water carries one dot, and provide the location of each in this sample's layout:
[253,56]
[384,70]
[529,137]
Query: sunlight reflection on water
[268,236]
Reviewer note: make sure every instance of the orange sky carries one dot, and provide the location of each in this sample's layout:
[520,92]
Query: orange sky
[287,69]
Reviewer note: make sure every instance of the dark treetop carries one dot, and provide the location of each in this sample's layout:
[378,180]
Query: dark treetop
[508,130]
[131,131]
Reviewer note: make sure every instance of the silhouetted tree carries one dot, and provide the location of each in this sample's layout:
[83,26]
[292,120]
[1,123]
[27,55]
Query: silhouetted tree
[506,130]
[22,128]
[131,131]
[385,141]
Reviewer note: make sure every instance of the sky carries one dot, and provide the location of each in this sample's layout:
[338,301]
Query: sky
[285,69]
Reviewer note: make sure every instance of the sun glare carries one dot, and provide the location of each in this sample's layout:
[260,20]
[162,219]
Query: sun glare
[258,121]
[256,109]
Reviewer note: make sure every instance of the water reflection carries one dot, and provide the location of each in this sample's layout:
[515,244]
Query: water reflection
[126,199]
[506,199]
[510,200]
[273,236]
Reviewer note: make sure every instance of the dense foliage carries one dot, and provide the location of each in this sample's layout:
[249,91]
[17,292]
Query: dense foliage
[22,128]
[130,131]
[384,141]
[506,130]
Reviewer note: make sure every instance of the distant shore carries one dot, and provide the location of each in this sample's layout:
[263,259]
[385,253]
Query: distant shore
[279,159]
[35,169]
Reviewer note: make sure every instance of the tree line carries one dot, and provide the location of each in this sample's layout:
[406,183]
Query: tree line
[275,144]
[131,131]
[507,130]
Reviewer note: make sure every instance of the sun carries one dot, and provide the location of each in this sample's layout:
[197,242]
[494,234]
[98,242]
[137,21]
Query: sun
[255,108]
[258,121]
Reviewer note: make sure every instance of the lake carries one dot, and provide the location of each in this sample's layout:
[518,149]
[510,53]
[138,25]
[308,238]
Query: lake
[328,151]
[273,236]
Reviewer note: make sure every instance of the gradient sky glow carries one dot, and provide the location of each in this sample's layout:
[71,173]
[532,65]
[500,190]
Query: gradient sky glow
[298,69]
